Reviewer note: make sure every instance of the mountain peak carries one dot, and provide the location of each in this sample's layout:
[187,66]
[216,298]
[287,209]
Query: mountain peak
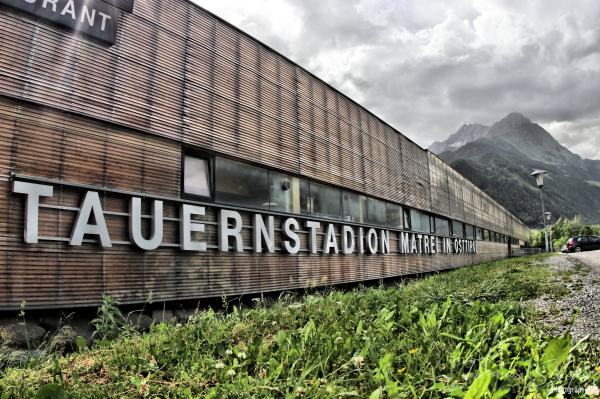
[465,134]
[515,119]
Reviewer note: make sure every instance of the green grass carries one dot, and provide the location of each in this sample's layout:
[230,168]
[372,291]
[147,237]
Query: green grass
[456,334]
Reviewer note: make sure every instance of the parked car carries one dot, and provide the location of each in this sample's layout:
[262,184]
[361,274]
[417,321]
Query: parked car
[583,243]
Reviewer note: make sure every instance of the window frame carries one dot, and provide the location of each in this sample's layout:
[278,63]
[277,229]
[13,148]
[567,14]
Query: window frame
[211,175]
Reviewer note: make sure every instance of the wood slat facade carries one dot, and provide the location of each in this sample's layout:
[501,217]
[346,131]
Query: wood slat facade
[78,113]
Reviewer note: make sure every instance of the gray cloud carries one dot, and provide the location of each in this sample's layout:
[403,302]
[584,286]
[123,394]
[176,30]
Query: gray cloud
[426,67]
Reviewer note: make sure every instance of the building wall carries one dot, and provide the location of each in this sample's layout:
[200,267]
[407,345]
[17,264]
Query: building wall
[79,112]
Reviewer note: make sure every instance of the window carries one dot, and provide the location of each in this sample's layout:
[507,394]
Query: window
[305,207]
[458,229]
[325,201]
[442,227]
[376,212]
[241,184]
[196,178]
[419,221]
[406,219]
[394,216]
[469,231]
[284,193]
[478,233]
[354,207]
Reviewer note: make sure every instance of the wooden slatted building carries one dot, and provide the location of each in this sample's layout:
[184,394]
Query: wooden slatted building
[186,109]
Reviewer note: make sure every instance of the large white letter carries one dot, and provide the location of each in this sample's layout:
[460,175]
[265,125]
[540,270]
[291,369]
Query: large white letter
[372,241]
[69,8]
[135,224]
[187,227]
[361,240]
[225,216]
[86,14]
[347,240]
[385,242]
[413,244]
[289,226]
[53,2]
[90,206]
[261,231]
[330,242]
[404,243]
[312,235]
[104,18]
[32,203]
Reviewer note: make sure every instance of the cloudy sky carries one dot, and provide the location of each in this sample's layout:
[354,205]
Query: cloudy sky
[426,67]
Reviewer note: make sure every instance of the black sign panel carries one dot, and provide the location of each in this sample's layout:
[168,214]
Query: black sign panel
[91,17]
[125,5]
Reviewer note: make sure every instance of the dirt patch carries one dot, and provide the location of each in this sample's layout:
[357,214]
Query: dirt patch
[578,310]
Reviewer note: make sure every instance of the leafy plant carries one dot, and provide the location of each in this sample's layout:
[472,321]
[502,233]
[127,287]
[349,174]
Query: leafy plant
[109,322]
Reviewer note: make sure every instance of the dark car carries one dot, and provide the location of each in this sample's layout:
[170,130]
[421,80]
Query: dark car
[583,243]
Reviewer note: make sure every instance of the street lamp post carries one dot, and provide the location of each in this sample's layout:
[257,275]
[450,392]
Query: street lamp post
[539,179]
[548,219]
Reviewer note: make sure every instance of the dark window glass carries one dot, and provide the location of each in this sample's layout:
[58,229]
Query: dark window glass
[196,179]
[442,227]
[419,221]
[284,193]
[394,216]
[469,231]
[305,201]
[479,233]
[325,201]
[406,219]
[354,207]
[458,229]
[241,184]
[376,213]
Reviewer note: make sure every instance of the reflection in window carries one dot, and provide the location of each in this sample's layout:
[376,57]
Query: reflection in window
[394,216]
[406,219]
[419,221]
[458,229]
[442,227]
[354,207]
[325,201]
[376,213]
[284,193]
[469,232]
[196,179]
[241,184]
[478,233]
[305,207]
